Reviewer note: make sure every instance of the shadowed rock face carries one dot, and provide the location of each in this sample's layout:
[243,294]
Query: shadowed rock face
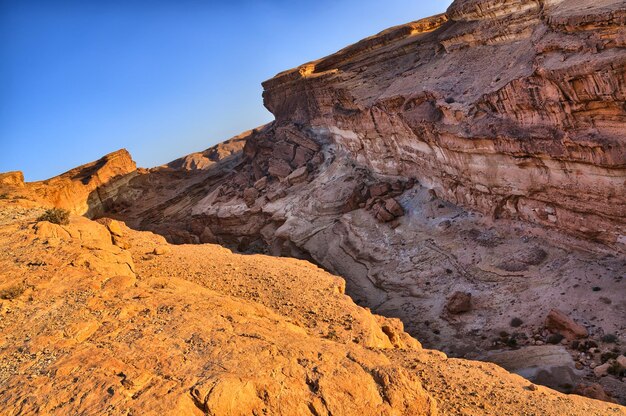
[78,190]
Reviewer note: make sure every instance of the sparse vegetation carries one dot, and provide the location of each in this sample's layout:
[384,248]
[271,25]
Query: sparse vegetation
[4,196]
[12,292]
[609,338]
[332,335]
[56,216]
[608,355]
[554,339]
[516,322]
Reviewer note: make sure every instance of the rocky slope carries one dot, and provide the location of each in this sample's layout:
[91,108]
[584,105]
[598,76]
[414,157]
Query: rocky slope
[99,319]
[80,189]
[464,173]
[205,159]
[479,152]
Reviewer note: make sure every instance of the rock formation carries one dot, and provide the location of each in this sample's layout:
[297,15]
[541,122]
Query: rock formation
[79,190]
[479,152]
[205,159]
[383,156]
[90,327]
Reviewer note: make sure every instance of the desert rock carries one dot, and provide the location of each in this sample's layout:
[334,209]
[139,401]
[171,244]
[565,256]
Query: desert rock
[205,330]
[558,322]
[459,302]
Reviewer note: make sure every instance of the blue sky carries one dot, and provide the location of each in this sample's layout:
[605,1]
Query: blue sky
[82,78]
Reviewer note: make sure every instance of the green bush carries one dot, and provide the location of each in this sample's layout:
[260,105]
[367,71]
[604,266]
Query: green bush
[56,216]
[610,338]
[12,292]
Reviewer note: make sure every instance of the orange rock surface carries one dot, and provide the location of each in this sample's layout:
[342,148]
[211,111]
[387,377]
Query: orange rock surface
[90,328]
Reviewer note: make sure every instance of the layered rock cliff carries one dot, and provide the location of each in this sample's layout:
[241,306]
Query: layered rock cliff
[465,173]
[480,151]
[514,108]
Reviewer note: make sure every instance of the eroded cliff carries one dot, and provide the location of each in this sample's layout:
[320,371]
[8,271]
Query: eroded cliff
[465,173]
[383,156]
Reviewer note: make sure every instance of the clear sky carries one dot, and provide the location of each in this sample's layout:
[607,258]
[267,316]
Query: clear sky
[162,78]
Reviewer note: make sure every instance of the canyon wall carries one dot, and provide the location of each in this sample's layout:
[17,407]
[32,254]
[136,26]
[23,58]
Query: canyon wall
[514,108]
[478,154]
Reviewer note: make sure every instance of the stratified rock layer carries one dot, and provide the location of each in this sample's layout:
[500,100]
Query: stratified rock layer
[514,108]
[382,153]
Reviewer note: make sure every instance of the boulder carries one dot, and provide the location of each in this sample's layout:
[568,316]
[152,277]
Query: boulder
[160,250]
[459,302]
[279,168]
[602,370]
[250,195]
[558,322]
[260,184]
[593,391]
[394,208]
[297,176]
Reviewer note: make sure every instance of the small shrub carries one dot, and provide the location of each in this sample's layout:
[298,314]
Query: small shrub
[616,369]
[4,196]
[516,322]
[609,355]
[56,216]
[609,338]
[332,335]
[12,292]
[511,342]
[554,338]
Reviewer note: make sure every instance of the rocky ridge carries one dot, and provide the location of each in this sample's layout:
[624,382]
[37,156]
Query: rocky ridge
[469,198]
[99,318]
[393,164]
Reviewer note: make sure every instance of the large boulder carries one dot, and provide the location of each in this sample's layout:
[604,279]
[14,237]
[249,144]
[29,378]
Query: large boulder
[558,322]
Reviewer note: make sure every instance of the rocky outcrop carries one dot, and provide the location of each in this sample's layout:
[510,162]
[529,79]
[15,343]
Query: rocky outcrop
[383,155]
[13,179]
[509,107]
[204,160]
[79,190]
[558,322]
[199,330]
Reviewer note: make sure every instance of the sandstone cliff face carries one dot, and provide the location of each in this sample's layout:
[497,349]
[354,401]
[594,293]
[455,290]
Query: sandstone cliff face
[78,189]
